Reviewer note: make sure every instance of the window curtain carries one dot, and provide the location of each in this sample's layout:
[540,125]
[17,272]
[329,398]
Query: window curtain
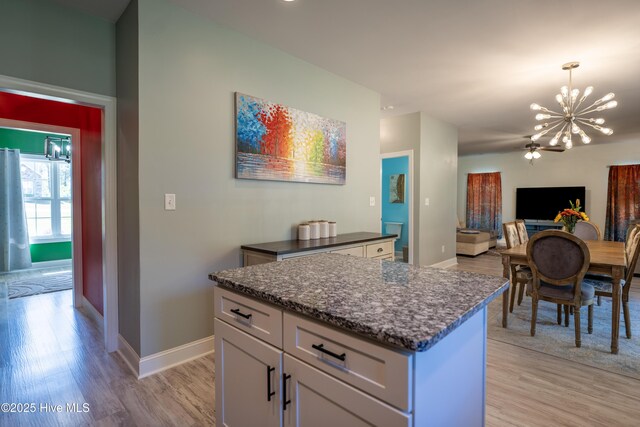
[623,201]
[14,236]
[484,201]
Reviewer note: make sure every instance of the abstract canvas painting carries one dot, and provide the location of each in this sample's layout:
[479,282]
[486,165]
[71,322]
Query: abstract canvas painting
[279,143]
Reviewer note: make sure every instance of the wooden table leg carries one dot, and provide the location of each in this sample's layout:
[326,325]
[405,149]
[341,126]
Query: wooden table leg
[506,273]
[615,308]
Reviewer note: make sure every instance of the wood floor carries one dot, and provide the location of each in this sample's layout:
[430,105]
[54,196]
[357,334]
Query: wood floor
[530,388]
[51,353]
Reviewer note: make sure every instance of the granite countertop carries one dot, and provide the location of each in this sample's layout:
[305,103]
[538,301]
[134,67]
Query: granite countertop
[393,303]
[290,246]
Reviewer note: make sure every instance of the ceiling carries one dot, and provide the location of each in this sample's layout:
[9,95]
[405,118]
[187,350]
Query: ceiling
[477,64]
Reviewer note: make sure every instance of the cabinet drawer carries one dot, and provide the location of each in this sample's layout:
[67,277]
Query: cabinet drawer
[379,249]
[318,399]
[254,317]
[379,371]
[357,251]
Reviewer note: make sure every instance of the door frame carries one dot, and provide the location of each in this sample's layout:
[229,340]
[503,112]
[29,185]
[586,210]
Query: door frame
[108,184]
[395,154]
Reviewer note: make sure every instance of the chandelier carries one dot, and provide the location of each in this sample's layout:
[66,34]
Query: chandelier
[57,148]
[572,119]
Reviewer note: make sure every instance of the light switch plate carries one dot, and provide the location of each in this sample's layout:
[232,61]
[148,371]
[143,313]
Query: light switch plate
[372,201]
[169,202]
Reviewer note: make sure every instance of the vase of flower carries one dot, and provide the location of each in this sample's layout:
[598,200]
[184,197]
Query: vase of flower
[570,216]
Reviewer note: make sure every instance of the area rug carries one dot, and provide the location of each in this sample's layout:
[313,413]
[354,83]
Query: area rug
[49,282]
[559,341]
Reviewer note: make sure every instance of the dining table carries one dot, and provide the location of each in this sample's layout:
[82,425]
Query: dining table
[607,258]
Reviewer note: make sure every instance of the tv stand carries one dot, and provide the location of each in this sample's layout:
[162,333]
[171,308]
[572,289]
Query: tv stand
[535,225]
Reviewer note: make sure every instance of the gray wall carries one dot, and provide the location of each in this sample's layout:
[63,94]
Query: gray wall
[438,182]
[127,158]
[435,146]
[45,42]
[189,71]
[402,133]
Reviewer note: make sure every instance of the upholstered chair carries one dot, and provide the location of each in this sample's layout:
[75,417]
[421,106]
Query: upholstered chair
[603,284]
[587,231]
[559,261]
[522,231]
[522,274]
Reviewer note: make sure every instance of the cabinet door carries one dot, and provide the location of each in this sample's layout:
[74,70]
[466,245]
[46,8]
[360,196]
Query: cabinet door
[318,399]
[246,370]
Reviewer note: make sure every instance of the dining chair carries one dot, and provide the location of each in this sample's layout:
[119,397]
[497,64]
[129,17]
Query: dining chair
[522,231]
[522,274]
[559,261]
[587,231]
[603,284]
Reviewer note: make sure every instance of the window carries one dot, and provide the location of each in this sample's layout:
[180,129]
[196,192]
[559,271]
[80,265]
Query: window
[46,188]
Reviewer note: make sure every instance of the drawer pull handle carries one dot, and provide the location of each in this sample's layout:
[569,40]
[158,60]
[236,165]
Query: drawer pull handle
[269,392]
[380,250]
[320,347]
[239,313]
[285,401]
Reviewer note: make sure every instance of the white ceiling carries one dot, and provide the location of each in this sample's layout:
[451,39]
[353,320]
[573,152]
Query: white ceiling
[477,64]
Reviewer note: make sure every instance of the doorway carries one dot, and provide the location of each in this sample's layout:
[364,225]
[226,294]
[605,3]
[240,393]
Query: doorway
[396,170]
[50,197]
[93,118]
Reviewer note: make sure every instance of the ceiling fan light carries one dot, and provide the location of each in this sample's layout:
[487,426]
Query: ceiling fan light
[528,155]
[536,155]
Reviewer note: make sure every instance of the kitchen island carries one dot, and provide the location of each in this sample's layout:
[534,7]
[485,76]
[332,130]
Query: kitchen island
[337,340]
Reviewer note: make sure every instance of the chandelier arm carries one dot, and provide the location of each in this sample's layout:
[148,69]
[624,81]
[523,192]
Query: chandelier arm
[584,122]
[555,125]
[595,104]
[585,111]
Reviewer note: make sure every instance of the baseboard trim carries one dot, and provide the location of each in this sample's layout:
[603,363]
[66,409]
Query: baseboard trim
[93,313]
[129,356]
[55,263]
[176,356]
[446,263]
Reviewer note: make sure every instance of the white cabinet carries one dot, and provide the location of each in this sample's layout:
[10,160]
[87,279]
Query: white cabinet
[317,399]
[275,369]
[379,247]
[248,373]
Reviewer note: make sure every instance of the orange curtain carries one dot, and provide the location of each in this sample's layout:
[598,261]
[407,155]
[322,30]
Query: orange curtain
[484,201]
[623,201]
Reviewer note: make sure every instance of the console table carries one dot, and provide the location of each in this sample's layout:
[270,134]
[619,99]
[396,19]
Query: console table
[535,225]
[362,244]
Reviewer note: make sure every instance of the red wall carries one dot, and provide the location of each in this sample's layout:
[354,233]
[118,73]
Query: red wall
[90,122]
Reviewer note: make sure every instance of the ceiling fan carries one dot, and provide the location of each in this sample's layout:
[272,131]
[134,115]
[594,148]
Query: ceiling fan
[533,151]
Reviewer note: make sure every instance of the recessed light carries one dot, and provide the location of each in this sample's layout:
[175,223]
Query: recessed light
[288,0]
[388,107]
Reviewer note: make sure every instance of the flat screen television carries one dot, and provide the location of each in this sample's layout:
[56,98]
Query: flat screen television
[544,203]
